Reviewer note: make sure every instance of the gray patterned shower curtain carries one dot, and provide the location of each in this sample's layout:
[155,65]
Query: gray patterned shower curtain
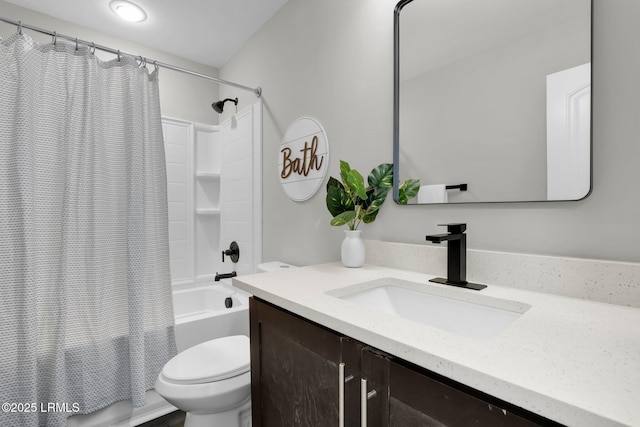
[86,316]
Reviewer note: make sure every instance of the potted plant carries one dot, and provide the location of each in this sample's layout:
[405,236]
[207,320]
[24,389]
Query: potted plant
[350,203]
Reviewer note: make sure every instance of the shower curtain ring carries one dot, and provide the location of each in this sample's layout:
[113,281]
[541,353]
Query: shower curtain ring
[118,55]
[76,44]
[55,38]
[93,48]
[20,27]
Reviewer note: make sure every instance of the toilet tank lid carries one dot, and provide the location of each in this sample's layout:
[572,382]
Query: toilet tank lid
[210,361]
[274,266]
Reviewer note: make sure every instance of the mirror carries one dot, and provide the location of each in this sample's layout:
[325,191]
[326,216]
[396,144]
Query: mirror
[492,99]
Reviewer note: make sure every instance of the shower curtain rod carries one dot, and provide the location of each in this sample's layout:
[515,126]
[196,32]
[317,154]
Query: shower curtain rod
[257,91]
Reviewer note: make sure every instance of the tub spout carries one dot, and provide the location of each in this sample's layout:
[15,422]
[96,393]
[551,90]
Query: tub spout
[225,276]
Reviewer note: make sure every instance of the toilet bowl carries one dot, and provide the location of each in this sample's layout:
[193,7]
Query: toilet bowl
[211,382]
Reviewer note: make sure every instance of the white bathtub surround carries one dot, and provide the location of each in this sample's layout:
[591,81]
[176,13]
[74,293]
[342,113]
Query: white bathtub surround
[214,195]
[570,360]
[87,317]
[612,282]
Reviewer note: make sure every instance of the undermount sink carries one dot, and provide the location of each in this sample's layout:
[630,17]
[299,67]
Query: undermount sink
[453,310]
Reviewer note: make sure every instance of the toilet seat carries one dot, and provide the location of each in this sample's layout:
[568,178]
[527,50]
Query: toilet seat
[210,361]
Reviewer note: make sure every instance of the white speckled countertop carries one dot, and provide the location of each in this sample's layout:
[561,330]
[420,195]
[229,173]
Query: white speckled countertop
[573,361]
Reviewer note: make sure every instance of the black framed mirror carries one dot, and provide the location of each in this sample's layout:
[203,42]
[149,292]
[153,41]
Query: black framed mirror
[492,99]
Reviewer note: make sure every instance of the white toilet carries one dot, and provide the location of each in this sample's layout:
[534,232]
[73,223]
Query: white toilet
[211,381]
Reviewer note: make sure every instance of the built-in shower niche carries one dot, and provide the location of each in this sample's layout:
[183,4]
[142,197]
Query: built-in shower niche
[207,193]
[207,152]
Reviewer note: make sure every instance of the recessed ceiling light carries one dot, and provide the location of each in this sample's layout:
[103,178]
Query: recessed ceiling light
[128,11]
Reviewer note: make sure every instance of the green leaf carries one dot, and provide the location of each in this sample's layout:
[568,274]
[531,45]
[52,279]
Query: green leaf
[380,180]
[408,190]
[344,170]
[375,200]
[334,183]
[337,199]
[382,176]
[370,217]
[355,182]
[344,218]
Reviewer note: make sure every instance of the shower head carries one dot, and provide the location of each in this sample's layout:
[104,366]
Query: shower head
[219,106]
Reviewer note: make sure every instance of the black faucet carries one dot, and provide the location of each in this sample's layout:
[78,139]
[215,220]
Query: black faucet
[225,276]
[456,256]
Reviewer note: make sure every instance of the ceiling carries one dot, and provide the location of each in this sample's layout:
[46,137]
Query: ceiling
[205,31]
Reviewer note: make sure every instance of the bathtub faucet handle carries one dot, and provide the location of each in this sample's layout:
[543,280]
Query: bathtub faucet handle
[233,252]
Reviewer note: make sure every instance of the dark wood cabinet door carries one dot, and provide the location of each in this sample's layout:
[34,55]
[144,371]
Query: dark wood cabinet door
[294,370]
[351,357]
[418,398]
[374,400]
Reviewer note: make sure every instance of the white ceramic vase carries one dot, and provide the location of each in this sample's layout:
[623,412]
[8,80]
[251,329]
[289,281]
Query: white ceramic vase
[352,249]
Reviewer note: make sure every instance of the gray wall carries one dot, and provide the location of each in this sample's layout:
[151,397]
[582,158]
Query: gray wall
[332,60]
[181,96]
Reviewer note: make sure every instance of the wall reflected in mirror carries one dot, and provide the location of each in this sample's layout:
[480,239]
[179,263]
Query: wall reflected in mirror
[495,95]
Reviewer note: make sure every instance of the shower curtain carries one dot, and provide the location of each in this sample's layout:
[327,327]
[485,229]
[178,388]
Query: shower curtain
[86,315]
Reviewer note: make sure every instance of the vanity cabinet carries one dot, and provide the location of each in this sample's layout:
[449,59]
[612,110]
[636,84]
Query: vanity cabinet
[303,374]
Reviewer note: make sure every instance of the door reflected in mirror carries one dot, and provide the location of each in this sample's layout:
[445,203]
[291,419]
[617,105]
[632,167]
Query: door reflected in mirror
[493,97]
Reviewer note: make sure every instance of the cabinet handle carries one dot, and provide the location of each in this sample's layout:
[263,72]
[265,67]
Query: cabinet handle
[341,382]
[364,397]
[341,395]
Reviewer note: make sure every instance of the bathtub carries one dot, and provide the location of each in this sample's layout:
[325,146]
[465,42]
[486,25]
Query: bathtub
[201,315]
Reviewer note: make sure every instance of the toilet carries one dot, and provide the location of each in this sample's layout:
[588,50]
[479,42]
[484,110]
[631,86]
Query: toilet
[211,381]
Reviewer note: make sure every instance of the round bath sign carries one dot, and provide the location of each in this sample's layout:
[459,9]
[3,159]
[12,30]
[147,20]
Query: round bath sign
[303,159]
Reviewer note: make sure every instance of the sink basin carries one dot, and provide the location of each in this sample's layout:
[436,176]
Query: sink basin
[453,310]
